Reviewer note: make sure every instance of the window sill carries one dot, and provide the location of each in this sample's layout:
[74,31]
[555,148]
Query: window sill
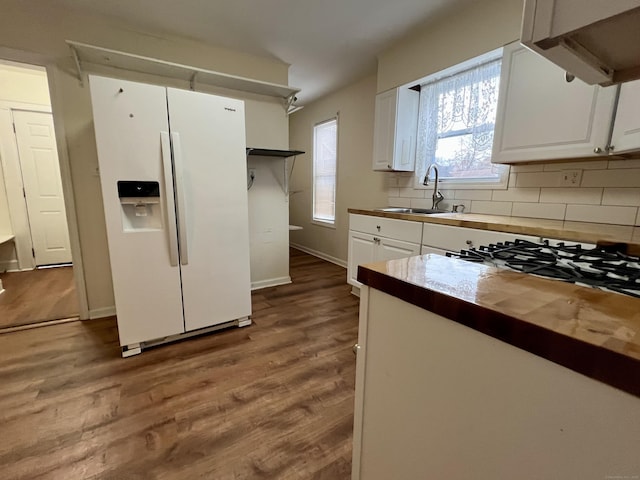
[321,223]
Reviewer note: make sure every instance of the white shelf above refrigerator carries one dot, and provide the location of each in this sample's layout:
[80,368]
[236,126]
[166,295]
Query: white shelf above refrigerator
[85,55]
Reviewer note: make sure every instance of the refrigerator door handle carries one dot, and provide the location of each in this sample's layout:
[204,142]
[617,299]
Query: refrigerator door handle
[165,144]
[182,221]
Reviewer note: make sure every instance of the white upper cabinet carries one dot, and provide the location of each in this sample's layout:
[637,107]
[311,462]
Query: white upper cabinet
[626,128]
[395,130]
[542,116]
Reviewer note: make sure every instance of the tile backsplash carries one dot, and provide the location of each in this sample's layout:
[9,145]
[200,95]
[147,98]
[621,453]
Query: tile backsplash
[608,192]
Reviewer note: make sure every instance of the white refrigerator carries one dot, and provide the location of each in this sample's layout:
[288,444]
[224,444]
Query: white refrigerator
[174,185]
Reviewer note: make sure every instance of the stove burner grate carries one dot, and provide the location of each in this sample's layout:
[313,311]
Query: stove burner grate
[597,267]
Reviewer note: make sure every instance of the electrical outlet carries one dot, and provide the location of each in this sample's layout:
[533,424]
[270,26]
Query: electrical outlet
[570,178]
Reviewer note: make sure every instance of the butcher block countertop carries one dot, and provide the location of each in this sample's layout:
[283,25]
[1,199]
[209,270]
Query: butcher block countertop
[565,230]
[592,332]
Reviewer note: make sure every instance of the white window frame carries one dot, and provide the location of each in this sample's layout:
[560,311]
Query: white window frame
[320,221]
[501,183]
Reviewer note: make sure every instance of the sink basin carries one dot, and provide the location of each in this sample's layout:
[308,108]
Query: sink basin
[421,211]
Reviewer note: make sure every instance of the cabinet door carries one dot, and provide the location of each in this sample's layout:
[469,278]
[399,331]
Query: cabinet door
[390,249]
[395,130]
[541,116]
[626,129]
[384,129]
[361,250]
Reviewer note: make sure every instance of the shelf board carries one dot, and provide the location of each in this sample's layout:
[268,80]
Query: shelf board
[267,152]
[85,55]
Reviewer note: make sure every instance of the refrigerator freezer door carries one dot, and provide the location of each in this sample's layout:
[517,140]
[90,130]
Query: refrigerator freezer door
[216,281]
[129,118]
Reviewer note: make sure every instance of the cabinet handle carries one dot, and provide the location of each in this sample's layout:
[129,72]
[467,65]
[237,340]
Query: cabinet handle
[610,148]
[469,242]
[569,77]
[597,150]
[378,227]
[355,349]
[389,167]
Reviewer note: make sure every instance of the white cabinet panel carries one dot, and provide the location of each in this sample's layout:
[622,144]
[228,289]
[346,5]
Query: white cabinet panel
[395,129]
[387,227]
[361,250]
[542,116]
[453,239]
[390,249]
[374,239]
[626,129]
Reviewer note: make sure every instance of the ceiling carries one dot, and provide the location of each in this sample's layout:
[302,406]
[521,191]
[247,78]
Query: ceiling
[328,43]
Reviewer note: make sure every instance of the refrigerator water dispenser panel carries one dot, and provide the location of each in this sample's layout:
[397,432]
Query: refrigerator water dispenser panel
[140,205]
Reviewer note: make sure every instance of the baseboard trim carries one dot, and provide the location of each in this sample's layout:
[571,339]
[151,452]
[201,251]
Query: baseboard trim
[102,312]
[9,266]
[46,323]
[316,253]
[271,282]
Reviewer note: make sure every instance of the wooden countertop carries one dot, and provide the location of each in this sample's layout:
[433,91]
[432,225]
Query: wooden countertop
[592,332]
[565,230]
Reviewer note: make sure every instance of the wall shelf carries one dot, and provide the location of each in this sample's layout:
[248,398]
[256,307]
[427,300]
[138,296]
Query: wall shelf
[284,154]
[266,152]
[85,55]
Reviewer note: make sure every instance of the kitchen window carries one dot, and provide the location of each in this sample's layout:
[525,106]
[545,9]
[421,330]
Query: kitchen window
[457,116]
[325,156]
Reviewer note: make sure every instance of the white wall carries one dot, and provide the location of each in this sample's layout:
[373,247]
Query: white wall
[268,223]
[357,184]
[40,28]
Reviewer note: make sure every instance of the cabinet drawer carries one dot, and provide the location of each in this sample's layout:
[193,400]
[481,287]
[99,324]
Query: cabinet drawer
[387,227]
[456,238]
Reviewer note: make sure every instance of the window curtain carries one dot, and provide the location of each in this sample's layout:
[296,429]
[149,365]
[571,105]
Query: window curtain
[464,102]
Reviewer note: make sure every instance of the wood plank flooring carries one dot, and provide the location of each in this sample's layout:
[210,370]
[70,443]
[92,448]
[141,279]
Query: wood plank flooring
[37,295]
[269,401]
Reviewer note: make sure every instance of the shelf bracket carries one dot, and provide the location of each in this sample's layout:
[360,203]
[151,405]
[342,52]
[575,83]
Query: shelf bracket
[76,60]
[289,102]
[192,82]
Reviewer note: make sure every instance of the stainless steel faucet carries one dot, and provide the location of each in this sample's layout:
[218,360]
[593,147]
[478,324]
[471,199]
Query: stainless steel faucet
[437,196]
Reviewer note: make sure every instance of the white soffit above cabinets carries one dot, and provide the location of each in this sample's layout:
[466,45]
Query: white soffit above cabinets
[87,55]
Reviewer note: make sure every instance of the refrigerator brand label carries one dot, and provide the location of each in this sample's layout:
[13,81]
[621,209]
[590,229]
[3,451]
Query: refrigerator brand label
[230,109]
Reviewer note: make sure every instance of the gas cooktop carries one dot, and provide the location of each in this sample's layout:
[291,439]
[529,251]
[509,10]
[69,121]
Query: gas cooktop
[593,267]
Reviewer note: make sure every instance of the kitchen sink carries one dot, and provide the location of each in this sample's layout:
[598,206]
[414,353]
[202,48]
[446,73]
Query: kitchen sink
[421,211]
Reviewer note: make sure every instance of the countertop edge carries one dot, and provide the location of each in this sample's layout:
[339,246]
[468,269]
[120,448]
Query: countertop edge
[607,366]
[563,230]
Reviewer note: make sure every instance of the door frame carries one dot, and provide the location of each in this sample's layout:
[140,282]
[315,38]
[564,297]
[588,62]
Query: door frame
[65,168]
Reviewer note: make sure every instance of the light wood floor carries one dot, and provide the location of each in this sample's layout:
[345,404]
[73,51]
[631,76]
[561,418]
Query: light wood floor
[37,295]
[270,401]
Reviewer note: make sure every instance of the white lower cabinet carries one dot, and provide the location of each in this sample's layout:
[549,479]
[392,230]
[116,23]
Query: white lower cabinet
[374,239]
[435,399]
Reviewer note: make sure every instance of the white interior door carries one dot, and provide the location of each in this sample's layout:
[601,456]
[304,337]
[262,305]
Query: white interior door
[36,142]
